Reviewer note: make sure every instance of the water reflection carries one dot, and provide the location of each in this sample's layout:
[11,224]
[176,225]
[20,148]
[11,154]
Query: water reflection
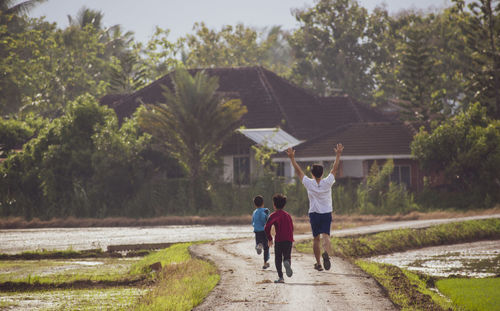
[478,259]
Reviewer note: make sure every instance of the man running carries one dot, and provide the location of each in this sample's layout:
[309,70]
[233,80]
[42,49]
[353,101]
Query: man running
[319,192]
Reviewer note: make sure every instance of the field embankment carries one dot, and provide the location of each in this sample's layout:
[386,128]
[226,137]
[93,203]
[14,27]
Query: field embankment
[406,239]
[340,221]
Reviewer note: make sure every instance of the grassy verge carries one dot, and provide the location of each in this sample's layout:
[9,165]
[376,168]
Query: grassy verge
[472,294]
[64,254]
[56,272]
[406,239]
[407,290]
[183,282]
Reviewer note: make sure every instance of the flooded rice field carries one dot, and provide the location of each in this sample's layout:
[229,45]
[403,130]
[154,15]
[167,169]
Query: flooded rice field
[70,269]
[72,299]
[478,259]
[19,240]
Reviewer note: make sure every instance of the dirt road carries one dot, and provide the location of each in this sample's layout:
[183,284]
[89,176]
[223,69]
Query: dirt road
[245,285]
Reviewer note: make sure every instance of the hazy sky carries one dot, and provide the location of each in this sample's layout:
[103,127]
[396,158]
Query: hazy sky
[142,16]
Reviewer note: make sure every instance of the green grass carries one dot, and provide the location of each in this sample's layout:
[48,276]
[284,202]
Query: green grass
[176,253]
[405,239]
[67,271]
[472,294]
[405,289]
[56,254]
[183,283]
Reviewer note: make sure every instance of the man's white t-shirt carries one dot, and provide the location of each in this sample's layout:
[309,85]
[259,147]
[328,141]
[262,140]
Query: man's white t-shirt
[320,195]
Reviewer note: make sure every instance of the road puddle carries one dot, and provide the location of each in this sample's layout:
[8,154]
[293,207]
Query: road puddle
[478,260]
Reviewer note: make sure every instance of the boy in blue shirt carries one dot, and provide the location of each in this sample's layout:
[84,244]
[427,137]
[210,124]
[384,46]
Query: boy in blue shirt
[259,219]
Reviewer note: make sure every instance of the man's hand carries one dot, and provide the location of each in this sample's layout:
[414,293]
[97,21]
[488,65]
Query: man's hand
[339,148]
[270,243]
[291,154]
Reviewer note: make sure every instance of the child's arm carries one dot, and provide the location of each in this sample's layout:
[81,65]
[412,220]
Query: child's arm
[266,212]
[267,228]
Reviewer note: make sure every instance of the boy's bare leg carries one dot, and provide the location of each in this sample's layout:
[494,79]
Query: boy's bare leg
[327,245]
[317,249]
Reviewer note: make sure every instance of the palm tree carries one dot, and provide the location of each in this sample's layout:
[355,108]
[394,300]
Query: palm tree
[193,122]
[128,77]
[8,7]
[86,16]
[10,12]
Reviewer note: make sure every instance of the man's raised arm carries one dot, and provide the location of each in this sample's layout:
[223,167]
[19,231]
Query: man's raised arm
[338,151]
[291,154]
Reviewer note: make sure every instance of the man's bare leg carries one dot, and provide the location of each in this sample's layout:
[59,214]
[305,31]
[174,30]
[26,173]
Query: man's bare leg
[317,249]
[327,245]
[325,240]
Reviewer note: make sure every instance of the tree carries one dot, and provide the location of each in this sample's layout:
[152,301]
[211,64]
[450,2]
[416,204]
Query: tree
[85,17]
[333,49]
[481,51]
[193,122]
[159,56]
[13,133]
[466,148]
[417,64]
[80,164]
[127,77]
[8,6]
[10,12]
[416,74]
[44,68]
[232,46]
[238,45]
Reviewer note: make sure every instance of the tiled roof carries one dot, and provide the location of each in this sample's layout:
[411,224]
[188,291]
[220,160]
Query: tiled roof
[272,101]
[361,139]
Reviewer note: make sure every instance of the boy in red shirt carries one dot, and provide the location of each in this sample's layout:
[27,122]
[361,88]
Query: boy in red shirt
[283,225]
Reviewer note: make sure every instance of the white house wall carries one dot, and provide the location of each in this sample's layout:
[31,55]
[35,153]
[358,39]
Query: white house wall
[228,168]
[352,168]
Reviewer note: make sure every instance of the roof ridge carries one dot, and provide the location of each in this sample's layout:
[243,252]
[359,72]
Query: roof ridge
[328,133]
[346,126]
[269,88]
[356,110]
[142,90]
[293,85]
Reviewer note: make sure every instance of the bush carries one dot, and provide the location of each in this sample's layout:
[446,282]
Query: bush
[381,196]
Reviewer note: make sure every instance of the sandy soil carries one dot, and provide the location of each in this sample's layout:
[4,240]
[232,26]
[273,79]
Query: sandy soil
[245,285]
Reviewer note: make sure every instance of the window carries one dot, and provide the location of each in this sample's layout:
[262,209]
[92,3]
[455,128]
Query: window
[279,169]
[241,170]
[401,174]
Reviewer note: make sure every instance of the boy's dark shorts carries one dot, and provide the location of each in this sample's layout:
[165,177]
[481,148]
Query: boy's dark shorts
[320,223]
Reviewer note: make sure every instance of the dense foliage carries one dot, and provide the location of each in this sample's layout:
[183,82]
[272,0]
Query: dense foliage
[466,149]
[63,154]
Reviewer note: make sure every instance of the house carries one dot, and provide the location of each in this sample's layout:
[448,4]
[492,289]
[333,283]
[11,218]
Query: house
[281,114]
